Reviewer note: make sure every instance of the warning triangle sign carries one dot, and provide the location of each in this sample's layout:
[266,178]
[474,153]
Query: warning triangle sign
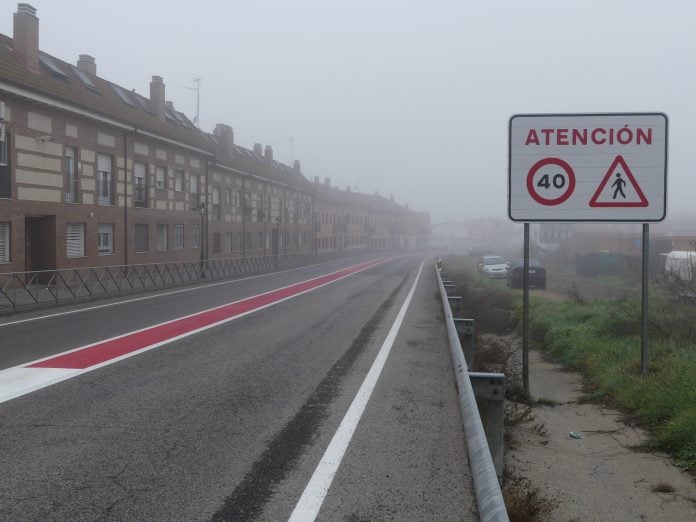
[619,188]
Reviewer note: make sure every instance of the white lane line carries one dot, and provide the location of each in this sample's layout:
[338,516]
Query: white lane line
[313,496]
[163,294]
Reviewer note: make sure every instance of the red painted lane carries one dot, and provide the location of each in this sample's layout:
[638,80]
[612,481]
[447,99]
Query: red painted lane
[105,351]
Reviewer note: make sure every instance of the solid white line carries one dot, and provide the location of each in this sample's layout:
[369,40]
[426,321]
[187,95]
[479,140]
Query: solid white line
[313,496]
[163,294]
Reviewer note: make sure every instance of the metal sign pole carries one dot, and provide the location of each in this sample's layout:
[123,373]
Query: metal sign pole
[644,301]
[525,311]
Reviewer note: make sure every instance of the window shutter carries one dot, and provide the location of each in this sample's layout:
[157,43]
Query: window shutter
[75,239]
[4,242]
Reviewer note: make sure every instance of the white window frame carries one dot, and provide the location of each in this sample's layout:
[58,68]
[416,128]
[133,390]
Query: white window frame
[71,174]
[74,240]
[140,180]
[195,236]
[104,166]
[161,238]
[178,180]
[177,237]
[105,239]
[160,177]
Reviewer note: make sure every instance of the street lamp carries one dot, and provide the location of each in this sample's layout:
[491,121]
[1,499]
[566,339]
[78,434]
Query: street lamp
[203,235]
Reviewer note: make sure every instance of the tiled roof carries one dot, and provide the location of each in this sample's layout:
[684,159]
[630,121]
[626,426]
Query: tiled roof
[103,100]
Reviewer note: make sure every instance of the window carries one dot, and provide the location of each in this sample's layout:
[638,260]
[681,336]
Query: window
[4,242]
[247,208]
[216,204]
[104,192]
[229,238]
[179,180]
[193,192]
[238,198]
[260,235]
[75,239]
[5,180]
[139,184]
[142,238]
[70,175]
[228,198]
[160,177]
[105,239]
[178,237]
[161,237]
[238,244]
[216,243]
[195,236]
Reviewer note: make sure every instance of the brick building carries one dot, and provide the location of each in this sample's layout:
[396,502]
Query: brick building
[92,174]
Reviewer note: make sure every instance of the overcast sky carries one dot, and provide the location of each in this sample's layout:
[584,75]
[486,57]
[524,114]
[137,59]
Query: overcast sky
[406,98]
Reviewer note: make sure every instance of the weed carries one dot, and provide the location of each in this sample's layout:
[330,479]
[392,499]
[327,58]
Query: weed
[524,502]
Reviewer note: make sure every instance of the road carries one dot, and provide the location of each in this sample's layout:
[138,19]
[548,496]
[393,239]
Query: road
[230,418]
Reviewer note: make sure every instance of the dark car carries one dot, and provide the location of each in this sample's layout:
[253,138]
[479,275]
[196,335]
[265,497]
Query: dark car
[537,274]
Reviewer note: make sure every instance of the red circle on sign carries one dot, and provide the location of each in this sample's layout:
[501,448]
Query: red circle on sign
[560,199]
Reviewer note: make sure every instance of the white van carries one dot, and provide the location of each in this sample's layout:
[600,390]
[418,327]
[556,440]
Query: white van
[680,264]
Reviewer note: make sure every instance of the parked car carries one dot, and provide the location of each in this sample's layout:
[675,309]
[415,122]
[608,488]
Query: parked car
[492,266]
[537,274]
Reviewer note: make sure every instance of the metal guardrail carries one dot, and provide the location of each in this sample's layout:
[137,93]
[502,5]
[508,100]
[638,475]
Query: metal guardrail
[19,289]
[489,497]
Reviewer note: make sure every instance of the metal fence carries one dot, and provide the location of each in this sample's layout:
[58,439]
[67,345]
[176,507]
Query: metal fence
[489,497]
[20,289]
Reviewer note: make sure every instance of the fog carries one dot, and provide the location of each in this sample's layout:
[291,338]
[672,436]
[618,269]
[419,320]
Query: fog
[410,99]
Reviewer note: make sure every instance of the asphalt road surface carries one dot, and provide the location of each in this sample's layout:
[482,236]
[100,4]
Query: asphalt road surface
[229,417]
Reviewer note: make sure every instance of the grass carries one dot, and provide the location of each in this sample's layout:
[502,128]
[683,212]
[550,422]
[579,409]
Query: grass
[602,340]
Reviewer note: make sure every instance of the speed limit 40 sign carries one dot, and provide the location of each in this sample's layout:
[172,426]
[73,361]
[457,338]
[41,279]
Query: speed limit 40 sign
[587,167]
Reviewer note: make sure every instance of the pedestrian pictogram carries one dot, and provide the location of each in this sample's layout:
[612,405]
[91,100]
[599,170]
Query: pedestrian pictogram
[619,188]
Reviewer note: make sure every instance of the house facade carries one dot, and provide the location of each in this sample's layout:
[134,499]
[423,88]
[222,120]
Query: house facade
[93,174]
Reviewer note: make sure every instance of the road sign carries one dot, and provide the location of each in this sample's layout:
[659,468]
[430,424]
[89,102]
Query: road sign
[587,167]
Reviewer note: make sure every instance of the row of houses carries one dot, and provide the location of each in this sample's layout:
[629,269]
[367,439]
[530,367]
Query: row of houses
[94,174]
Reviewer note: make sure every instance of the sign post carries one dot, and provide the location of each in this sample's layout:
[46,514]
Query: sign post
[588,168]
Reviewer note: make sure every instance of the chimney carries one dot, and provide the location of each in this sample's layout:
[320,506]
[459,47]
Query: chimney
[297,168]
[347,188]
[25,38]
[376,193]
[225,134]
[87,64]
[316,179]
[406,205]
[327,182]
[258,150]
[268,153]
[157,96]
[391,198]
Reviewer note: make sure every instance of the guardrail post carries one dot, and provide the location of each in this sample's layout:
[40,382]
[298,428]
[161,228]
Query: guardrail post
[465,329]
[489,390]
[456,305]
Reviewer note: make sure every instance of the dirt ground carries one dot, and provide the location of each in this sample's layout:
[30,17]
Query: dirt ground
[600,476]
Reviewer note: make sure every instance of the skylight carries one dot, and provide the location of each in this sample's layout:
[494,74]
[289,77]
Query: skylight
[47,62]
[86,80]
[122,94]
[143,103]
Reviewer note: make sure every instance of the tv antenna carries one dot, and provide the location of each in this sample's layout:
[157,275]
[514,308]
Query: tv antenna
[196,87]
